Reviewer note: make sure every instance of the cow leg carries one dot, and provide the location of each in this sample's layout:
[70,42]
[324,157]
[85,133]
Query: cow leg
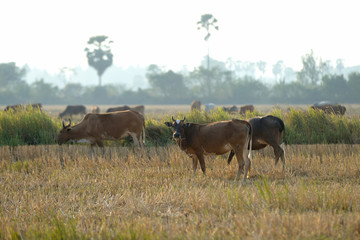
[202,162]
[243,159]
[231,155]
[101,145]
[241,163]
[195,161]
[135,138]
[279,152]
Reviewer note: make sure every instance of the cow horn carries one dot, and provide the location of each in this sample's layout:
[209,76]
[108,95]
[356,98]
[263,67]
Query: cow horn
[173,118]
[67,125]
[184,119]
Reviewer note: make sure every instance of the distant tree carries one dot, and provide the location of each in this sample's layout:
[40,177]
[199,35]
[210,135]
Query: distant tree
[207,22]
[99,54]
[10,74]
[334,87]
[72,92]
[206,82]
[65,73]
[354,87]
[289,74]
[43,92]
[310,73]
[166,84]
[325,68]
[261,65]
[278,70]
[339,66]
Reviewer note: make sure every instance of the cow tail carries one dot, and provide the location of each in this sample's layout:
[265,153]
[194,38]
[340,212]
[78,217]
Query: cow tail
[282,131]
[250,140]
[143,133]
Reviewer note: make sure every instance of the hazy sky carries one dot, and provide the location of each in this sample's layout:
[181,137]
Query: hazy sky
[53,34]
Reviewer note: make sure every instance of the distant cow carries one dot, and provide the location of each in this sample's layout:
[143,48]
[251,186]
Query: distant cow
[329,107]
[195,105]
[197,140]
[73,110]
[95,109]
[209,107]
[267,131]
[106,126]
[232,109]
[245,108]
[22,107]
[139,108]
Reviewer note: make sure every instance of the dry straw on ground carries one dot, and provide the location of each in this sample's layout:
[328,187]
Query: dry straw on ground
[125,194]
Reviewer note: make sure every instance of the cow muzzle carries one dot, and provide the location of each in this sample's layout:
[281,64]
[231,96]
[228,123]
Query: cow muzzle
[176,135]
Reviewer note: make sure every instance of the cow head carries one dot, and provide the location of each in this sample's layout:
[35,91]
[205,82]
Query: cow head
[65,133]
[178,127]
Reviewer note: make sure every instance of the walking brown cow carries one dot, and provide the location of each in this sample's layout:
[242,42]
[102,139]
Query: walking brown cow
[106,126]
[267,132]
[245,108]
[197,140]
[195,105]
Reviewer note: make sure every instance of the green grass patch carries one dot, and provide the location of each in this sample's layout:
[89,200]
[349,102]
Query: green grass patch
[27,127]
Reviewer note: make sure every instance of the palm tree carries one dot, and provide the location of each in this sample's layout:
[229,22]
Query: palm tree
[207,22]
[99,54]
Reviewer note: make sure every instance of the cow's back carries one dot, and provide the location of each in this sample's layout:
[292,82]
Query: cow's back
[218,134]
[114,125]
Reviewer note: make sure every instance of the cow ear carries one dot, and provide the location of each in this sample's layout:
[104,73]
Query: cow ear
[187,124]
[169,124]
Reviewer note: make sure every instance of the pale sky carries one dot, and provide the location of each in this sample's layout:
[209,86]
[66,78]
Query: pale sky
[50,34]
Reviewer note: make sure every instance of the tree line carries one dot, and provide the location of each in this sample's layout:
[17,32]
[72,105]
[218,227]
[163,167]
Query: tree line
[219,84]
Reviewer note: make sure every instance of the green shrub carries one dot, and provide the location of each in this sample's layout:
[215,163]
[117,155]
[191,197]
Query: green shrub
[27,127]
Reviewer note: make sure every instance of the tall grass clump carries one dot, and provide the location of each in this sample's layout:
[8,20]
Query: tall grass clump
[316,127]
[27,127]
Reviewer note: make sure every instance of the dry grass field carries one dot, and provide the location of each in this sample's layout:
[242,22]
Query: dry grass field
[68,192]
[65,192]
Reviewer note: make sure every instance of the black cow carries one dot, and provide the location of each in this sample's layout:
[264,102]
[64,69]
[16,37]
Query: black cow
[267,131]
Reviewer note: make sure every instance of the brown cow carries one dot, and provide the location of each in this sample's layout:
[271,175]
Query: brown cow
[139,108]
[106,126]
[22,107]
[214,138]
[267,131]
[195,105]
[73,110]
[330,108]
[95,109]
[245,108]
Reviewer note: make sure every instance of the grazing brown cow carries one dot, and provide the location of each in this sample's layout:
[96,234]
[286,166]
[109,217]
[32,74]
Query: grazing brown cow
[267,131]
[195,105]
[139,108]
[95,109]
[22,107]
[232,109]
[245,108]
[330,108]
[197,140]
[73,110]
[106,126]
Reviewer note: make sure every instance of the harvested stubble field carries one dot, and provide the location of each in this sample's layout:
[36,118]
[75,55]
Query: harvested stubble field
[66,192]
[124,194]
